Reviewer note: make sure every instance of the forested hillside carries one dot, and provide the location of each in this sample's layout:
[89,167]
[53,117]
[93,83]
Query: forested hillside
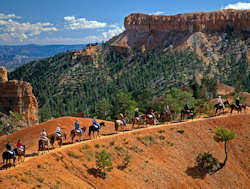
[108,82]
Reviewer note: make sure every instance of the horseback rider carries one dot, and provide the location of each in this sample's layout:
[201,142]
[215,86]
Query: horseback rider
[58,131]
[20,145]
[220,102]
[237,102]
[9,149]
[150,113]
[187,107]
[96,124]
[137,114]
[44,136]
[122,118]
[77,127]
[166,109]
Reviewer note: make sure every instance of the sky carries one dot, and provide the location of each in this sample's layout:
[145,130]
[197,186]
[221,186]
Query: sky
[86,21]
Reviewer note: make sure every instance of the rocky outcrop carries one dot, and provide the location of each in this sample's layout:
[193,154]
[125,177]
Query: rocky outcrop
[17,96]
[195,22]
[150,31]
[3,74]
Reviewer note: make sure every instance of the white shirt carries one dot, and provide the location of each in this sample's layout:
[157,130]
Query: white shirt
[43,134]
[219,100]
[58,130]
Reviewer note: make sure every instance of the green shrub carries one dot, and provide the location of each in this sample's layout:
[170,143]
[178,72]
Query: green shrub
[147,140]
[103,163]
[206,161]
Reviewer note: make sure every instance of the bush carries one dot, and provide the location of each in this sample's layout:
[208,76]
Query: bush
[103,163]
[147,140]
[206,161]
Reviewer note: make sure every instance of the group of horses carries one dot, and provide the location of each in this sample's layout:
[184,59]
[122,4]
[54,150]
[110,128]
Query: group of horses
[233,107]
[152,119]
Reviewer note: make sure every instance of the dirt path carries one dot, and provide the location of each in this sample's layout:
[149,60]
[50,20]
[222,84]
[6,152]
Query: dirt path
[111,135]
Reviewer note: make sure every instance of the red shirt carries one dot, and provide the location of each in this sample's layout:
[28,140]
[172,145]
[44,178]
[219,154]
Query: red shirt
[19,144]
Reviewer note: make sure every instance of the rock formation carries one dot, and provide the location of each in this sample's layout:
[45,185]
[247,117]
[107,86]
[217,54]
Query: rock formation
[17,96]
[151,31]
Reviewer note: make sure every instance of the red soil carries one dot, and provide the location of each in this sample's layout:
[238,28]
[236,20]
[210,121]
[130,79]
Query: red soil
[167,163]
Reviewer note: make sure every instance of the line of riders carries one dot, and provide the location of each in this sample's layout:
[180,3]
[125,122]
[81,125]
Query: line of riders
[150,117]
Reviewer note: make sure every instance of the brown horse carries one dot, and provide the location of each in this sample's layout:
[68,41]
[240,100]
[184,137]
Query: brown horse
[151,119]
[74,133]
[138,120]
[42,144]
[55,137]
[189,113]
[20,153]
[167,116]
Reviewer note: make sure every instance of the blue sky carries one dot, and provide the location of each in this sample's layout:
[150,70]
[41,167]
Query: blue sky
[84,21]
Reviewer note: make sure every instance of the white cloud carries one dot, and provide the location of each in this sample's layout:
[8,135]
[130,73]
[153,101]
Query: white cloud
[112,32]
[82,23]
[239,5]
[8,16]
[157,13]
[13,30]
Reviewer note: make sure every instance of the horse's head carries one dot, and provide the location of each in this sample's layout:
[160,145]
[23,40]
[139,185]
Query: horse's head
[102,124]
[226,102]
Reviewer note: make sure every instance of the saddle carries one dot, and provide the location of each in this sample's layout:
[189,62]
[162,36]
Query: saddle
[20,148]
[150,116]
[78,131]
[96,126]
[10,152]
[59,134]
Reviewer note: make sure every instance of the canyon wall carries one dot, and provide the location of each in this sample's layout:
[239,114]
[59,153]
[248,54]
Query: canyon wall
[17,96]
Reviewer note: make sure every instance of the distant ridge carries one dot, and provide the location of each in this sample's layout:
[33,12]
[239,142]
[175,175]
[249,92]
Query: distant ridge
[13,56]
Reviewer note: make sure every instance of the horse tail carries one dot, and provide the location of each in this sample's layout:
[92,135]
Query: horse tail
[39,145]
[181,114]
[65,136]
[84,129]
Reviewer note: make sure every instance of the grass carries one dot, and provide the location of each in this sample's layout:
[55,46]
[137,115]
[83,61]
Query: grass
[171,143]
[85,147]
[147,140]
[161,137]
[120,149]
[74,155]
[112,143]
[136,149]
[39,179]
[89,154]
[97,146]
[24,180]
[161,131]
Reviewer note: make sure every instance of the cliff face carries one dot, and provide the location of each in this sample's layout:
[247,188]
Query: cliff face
[196,22]
[150,31]
[17,96]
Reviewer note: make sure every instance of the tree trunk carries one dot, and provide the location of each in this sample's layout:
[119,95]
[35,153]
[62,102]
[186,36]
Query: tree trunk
[221,165]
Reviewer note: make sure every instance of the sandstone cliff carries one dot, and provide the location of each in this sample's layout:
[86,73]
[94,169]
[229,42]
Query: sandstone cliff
[150,31]
[17,96]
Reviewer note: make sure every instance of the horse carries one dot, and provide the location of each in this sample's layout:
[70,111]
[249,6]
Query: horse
[138,120]
[185,113]
[218,106]
[93,129]
[238,108]
[164,116]
[55,137]
[20,153]
[74,133]
[7,156]
[151,119]
[42,145]
[121,123]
